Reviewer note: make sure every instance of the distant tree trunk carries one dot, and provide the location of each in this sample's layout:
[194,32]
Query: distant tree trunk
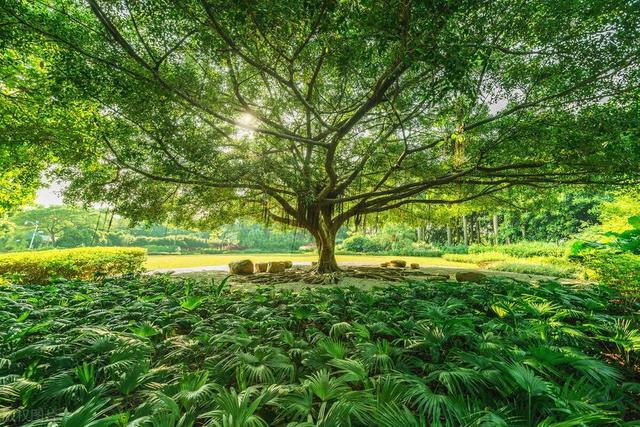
[95,230]
[465,233]
[448,235]
[495,229]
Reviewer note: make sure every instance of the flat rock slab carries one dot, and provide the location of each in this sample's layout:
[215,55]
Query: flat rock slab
[276,267]
[243,267]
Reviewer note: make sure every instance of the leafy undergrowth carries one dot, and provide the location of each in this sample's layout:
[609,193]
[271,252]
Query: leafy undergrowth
[177,352]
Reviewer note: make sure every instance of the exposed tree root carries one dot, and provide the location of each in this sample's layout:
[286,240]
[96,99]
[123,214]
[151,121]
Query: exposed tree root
[311,277]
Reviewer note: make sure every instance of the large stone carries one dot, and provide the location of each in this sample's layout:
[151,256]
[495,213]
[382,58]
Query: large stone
[244,266]
[276,267]
[415,265]
[470,276]
[288,264]
[384,264]
[398,263]
[261,267]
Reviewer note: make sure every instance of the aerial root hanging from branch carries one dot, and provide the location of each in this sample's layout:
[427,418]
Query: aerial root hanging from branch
[311,277]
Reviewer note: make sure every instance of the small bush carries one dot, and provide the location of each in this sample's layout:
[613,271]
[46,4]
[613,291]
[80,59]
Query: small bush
[523,249]
[78,263]
[359,244]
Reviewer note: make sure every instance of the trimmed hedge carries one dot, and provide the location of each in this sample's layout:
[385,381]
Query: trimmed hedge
[78,263]
[542,269]
[523,249]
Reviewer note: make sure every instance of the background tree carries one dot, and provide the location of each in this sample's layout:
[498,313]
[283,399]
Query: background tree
[315,114]
[56,221]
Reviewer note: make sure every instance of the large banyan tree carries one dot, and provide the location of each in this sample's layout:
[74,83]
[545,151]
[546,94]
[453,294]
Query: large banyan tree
[315,113]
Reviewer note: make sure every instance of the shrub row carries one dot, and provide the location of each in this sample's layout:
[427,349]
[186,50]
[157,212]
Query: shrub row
[539,268]
[544,266]
[523,249]
[78,263]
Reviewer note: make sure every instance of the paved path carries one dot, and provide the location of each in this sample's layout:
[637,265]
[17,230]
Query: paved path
[219,268]
[450,271]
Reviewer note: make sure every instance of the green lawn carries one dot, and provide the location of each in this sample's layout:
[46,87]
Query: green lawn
[191,261]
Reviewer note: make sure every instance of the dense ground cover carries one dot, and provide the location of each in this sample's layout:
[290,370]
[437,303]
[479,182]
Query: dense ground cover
[178,352]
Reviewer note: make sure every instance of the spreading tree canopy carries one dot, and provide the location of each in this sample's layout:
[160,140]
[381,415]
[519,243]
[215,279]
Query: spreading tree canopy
[313,113]
[32,118]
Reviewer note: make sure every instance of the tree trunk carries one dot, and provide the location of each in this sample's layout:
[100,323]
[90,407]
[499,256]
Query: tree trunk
[448,235]
[326,243]
[325,233]
[495,229]
[465,234]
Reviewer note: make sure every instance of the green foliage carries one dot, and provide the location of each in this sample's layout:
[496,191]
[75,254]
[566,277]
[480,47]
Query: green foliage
[500,261]
[364,245]
[37,116]
[361,244]
[81,263]
[257,237]
[615,260]
[623,241]
[134,352]
[566,270]
[614,214]
[454,249]
[523,249]
[391,239]
[614,268]
[68,226]
[550,216]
